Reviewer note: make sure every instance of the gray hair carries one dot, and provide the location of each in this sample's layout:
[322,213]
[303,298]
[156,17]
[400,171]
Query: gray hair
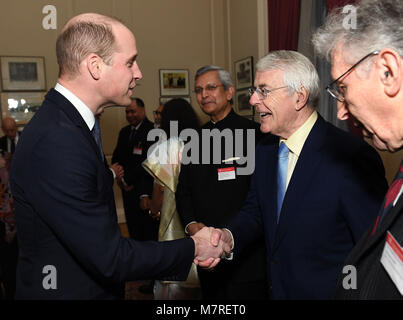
[223,75]
[298,72]
[379,25]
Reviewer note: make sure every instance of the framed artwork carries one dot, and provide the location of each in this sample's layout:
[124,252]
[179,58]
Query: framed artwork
[166,99]
[242,106]
[174,82]
[244,73]
[23,73]
[21,105]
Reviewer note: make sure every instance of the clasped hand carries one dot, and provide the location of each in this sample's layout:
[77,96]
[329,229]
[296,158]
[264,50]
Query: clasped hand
[211,245]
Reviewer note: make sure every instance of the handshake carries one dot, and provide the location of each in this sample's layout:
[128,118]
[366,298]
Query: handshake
[211,245]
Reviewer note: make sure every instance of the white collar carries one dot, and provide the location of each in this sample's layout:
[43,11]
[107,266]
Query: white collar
[81,107]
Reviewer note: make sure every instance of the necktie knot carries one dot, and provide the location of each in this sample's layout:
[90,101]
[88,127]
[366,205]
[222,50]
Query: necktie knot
[283,151]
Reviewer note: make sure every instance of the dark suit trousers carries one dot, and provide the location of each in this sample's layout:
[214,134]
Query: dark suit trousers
[216,285]
[140,225]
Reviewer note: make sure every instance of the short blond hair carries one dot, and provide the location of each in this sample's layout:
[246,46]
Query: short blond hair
[82,38]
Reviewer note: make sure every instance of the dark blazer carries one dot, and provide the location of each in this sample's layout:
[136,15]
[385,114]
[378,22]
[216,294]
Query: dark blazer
[332,198]
[66,215]
[131,162]
[373,282]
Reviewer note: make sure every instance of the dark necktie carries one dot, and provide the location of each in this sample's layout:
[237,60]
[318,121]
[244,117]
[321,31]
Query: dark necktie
[281,176]
[12,147]
[394,191]
[132,135]
[96,133]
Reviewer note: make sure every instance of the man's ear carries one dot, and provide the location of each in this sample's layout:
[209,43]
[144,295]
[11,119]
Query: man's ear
[302,98]
[230,93]
[390,71]
[94,65]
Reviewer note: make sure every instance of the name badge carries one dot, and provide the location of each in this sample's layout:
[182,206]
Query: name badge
[226,174]
[138,151]
[392,261]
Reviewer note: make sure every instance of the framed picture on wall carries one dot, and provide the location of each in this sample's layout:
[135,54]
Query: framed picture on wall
[244,73]
[174,82]
[164,100]
[21,105]
[242,106]
[23,73]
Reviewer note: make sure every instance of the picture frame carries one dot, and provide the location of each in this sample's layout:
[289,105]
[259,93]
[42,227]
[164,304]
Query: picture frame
[164,100]
[174,82]
[22,73]
[242,106]
[244,73]
[21,105]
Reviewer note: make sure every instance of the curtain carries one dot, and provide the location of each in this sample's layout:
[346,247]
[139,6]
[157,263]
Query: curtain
[283,24]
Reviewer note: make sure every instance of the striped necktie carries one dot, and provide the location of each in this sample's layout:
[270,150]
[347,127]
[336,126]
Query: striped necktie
[395,190]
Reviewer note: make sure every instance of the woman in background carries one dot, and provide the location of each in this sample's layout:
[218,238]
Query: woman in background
[164,165]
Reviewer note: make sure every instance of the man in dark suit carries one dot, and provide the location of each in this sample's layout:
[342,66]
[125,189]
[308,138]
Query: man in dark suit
[315,189]
[131,150]
[367,65]
[10,139]
[70,242]
[209,194]
[8,239]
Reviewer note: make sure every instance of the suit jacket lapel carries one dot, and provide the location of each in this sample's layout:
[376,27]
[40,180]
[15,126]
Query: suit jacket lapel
[268,191]
[368,241]
[71,112]
[306,167]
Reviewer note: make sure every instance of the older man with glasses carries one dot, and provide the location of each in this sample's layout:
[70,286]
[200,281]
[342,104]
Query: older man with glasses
[315,189]
[371,92]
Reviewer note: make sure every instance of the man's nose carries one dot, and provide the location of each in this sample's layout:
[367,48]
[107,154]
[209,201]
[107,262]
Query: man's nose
[253,100]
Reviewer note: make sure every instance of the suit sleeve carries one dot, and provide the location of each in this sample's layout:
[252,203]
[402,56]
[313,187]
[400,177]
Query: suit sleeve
[247,225]
[363,189]
[183,195]
[70,192]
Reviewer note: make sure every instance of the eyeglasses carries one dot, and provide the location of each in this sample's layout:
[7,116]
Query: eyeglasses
[156,112]
[262,93]
[338,91]
[208,88]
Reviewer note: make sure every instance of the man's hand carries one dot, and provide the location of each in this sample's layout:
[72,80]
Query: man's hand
[145,203]
[208,253]
[223,235]
[193,228]
[118,170]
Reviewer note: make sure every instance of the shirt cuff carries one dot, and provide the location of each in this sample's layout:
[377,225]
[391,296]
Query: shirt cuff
[186,228]
[230,256]
[113,172]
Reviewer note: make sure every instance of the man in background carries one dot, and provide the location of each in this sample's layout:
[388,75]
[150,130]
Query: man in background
[10,139]
[131,150]
[157,115]
[367,65]
[8,229]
